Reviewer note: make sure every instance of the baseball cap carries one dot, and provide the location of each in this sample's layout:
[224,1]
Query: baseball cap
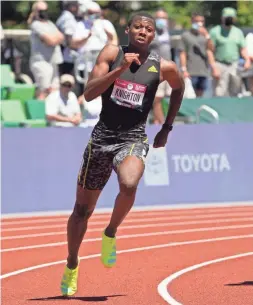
[67,78]
[83,6]
[229,12]
[93,6]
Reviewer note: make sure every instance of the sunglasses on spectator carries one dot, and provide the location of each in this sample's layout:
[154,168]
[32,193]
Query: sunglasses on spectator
[68,85]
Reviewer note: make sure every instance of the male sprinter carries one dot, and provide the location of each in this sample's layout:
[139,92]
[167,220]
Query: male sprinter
[127,78]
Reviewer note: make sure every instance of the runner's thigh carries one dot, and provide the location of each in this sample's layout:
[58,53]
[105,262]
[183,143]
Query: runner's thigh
[96,167]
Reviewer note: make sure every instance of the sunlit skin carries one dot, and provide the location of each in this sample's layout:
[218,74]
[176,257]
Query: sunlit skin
[141,33]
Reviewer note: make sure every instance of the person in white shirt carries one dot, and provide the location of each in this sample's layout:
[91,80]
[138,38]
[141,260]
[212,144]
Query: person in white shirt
[101,30]
[97,31]
[249,47]
[62,107]
[67,24]
[45,40]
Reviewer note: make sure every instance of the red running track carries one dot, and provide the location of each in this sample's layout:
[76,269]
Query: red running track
[152,246]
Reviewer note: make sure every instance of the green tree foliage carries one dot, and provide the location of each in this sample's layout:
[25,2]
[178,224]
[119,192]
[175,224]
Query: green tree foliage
[15,13]
[245,13]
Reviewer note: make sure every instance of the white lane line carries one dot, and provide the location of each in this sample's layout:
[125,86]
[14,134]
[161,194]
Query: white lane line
[178,206]
[132,214]
[130,236]
[152,219]
[155,225]
[162,287]
[171,244]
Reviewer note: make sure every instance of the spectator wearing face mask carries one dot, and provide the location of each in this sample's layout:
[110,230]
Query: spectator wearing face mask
[229,44]
[46,54]
[98,32]
[161,45]
[67,24]
[194,47]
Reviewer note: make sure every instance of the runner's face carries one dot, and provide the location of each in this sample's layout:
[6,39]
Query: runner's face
[141,31]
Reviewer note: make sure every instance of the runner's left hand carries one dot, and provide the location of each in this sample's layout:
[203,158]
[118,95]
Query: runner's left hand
[161,138]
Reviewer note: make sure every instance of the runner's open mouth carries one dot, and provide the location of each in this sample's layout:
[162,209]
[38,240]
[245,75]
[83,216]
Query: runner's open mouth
[141,39]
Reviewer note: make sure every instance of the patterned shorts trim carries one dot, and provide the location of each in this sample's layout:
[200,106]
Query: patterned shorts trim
[99,161]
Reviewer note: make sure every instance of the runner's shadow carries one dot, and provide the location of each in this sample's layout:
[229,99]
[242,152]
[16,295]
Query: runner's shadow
[85,299]
[246,283]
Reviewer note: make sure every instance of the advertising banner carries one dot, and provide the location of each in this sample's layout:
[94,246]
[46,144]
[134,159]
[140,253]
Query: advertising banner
[200,164]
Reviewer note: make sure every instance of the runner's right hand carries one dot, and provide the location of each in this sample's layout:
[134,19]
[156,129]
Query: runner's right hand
[128,59]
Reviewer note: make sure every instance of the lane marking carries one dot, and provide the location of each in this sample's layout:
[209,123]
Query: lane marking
[129,236]
[135,208]
[152,219]
[171,244]
[155,225]
[163,286]
[140,214]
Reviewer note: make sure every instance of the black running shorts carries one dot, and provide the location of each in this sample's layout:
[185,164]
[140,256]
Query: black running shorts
[106,150]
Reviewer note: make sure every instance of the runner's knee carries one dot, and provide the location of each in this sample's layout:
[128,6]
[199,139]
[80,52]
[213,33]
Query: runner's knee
[128,185]
[83,211]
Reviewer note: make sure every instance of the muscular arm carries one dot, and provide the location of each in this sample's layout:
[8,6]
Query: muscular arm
[100,80]
[171,74]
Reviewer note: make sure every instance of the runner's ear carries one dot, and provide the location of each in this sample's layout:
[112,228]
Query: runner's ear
[127,30]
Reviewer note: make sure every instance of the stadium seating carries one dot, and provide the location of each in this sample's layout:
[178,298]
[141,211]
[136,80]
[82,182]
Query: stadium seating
[35,109]
[22,92]
[7,79]
[14,91]
[13,115]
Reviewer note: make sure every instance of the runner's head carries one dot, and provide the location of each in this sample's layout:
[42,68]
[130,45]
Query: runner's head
[141,30]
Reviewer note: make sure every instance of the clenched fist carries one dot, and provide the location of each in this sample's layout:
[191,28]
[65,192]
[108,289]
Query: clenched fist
[128,59]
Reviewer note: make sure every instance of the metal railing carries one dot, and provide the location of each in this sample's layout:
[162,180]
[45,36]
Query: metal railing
[208,109]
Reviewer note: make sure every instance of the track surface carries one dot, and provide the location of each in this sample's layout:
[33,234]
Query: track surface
[152,246]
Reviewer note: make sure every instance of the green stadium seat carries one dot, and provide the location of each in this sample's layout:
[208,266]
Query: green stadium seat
[35,109]
[4,93]
[13,115]
[7,79]
[21,92]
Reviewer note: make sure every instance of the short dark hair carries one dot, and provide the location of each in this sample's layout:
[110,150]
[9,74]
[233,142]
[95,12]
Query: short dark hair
[161,9]
[195,14]
[140,14]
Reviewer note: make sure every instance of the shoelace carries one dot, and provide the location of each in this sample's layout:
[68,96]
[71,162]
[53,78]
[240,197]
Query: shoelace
[72,276]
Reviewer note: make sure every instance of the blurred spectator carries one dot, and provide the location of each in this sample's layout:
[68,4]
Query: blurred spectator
[249,47]
[45,50]
[229,43]
[193,48]
[97,32]
[67,24]
[91,111]
[2,43]
[62,107]
[161,45]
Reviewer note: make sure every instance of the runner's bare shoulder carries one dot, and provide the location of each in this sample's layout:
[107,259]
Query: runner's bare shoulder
[170,73]
[168,65]
[108,53]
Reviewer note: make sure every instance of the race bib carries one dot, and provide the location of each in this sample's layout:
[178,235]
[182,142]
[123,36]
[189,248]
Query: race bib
[128,94]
